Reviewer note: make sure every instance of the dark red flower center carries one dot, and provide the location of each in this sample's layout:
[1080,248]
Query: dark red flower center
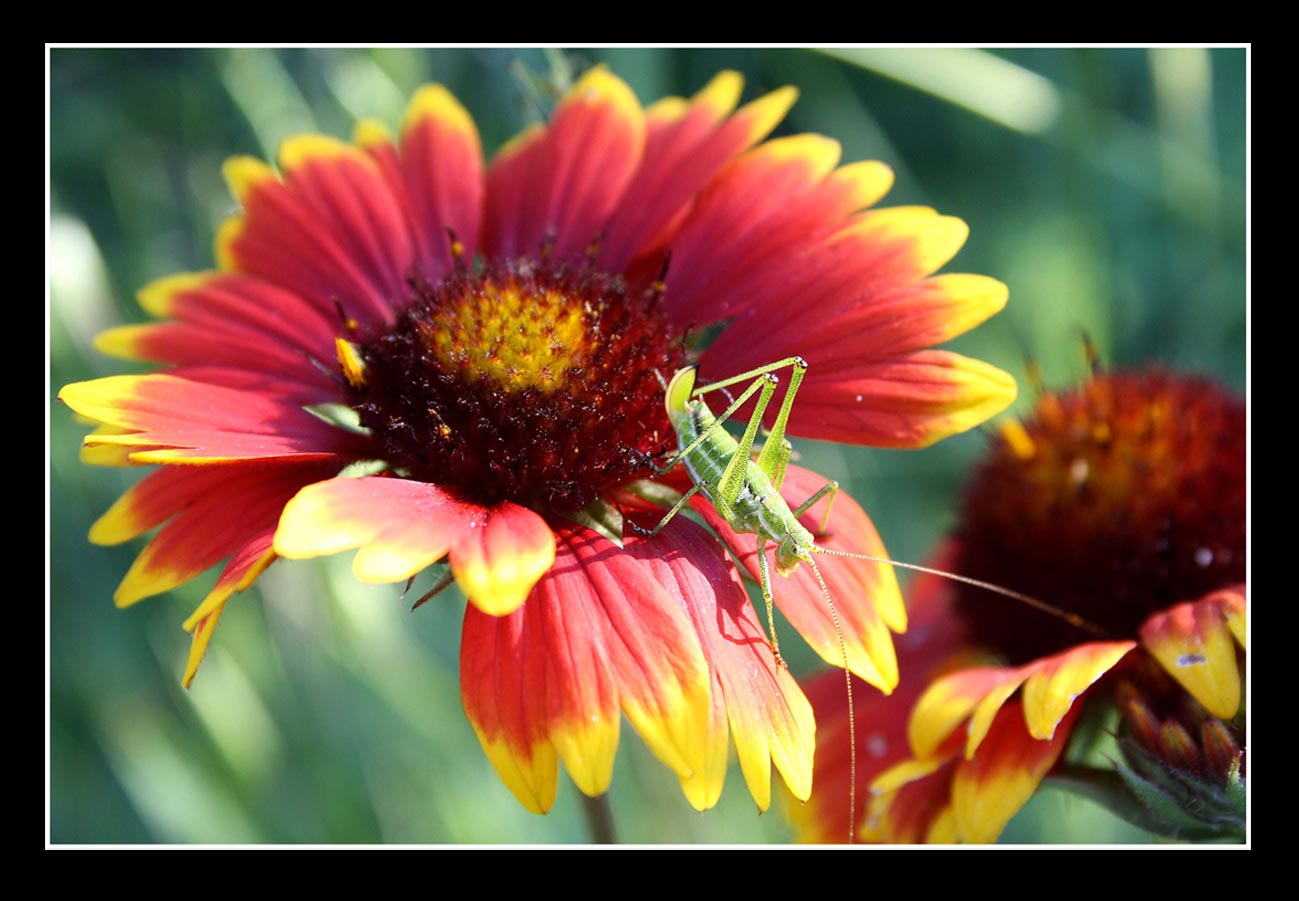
[526,381]
[1114,501]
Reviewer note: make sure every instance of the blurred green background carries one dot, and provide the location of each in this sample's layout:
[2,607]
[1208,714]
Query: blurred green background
[1106,187]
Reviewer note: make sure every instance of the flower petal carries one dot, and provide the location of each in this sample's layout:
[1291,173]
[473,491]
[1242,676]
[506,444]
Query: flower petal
[609,608]
[865,594]
[442,170]
[1008,767]
[750,227]
[497,563]
[332,231]
[1193,642]
[563,183]
[687,144]
[283,370]
[155,499]
[234,322]
[919,809]
[171,419]
[908,401]
[210,520]
[582,694]
[849,313]
[598,633]
[228,299]
[892,804]
[1058,681]
[245,565]
[503,687]
[950,701]
[400,526]
[771,720]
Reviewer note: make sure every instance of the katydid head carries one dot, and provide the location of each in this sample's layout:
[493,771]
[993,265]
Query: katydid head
[676,397]
[795,548]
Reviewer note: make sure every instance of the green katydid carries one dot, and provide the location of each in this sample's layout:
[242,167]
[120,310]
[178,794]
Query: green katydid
[746,493]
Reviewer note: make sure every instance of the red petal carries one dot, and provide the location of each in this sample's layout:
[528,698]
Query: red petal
[845,315]
[1060,680]
[496,564]
[565,182]
[864,593]
[907,401]
[1005,772]
[596,634]
[401,526]
[607,606]
[916,811]
[1194,643]
[755,221]
[683,153]
[212,351]
[199,422]
[934,640]
[223,299]
[503,686]
[442,170]
[210,525]
[949,701]
[767,712]
[331,232]
[245,565]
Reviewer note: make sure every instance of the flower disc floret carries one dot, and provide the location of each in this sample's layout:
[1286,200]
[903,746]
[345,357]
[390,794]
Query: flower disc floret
[529,381]
[1113,501]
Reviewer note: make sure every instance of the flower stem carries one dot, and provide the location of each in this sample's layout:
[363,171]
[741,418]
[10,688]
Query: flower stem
[599,819]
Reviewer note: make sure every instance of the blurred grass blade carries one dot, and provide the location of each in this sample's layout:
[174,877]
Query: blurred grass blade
[972,79]
[266,94]
[1182,78]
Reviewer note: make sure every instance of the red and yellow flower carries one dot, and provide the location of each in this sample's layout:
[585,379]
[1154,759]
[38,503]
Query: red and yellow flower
[1111,502]
[424,357]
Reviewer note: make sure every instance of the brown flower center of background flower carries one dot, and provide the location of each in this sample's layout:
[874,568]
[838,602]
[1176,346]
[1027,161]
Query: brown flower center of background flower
[526,381]
[1113,501]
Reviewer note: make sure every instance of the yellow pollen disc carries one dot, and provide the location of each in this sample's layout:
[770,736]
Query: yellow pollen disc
[516,340]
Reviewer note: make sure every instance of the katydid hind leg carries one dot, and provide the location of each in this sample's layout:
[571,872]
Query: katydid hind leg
[775,453]
[748,375]
[736,473]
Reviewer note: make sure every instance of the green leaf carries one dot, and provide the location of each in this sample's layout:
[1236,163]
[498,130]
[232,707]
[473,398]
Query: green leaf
[603,517]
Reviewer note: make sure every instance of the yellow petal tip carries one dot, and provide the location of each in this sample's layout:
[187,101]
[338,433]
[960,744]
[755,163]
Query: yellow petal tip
[371,133]
[722,93]
[244,173]
[434,102]
[299,149]
[158,297]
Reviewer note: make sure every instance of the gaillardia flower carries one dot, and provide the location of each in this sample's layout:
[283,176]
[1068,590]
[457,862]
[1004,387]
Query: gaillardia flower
[425,358]
[1123,504]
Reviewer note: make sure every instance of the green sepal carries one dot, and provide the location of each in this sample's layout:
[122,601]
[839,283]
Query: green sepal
[602,517]
[1189,804]
[654,492]
[339,415]
[1110,791]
